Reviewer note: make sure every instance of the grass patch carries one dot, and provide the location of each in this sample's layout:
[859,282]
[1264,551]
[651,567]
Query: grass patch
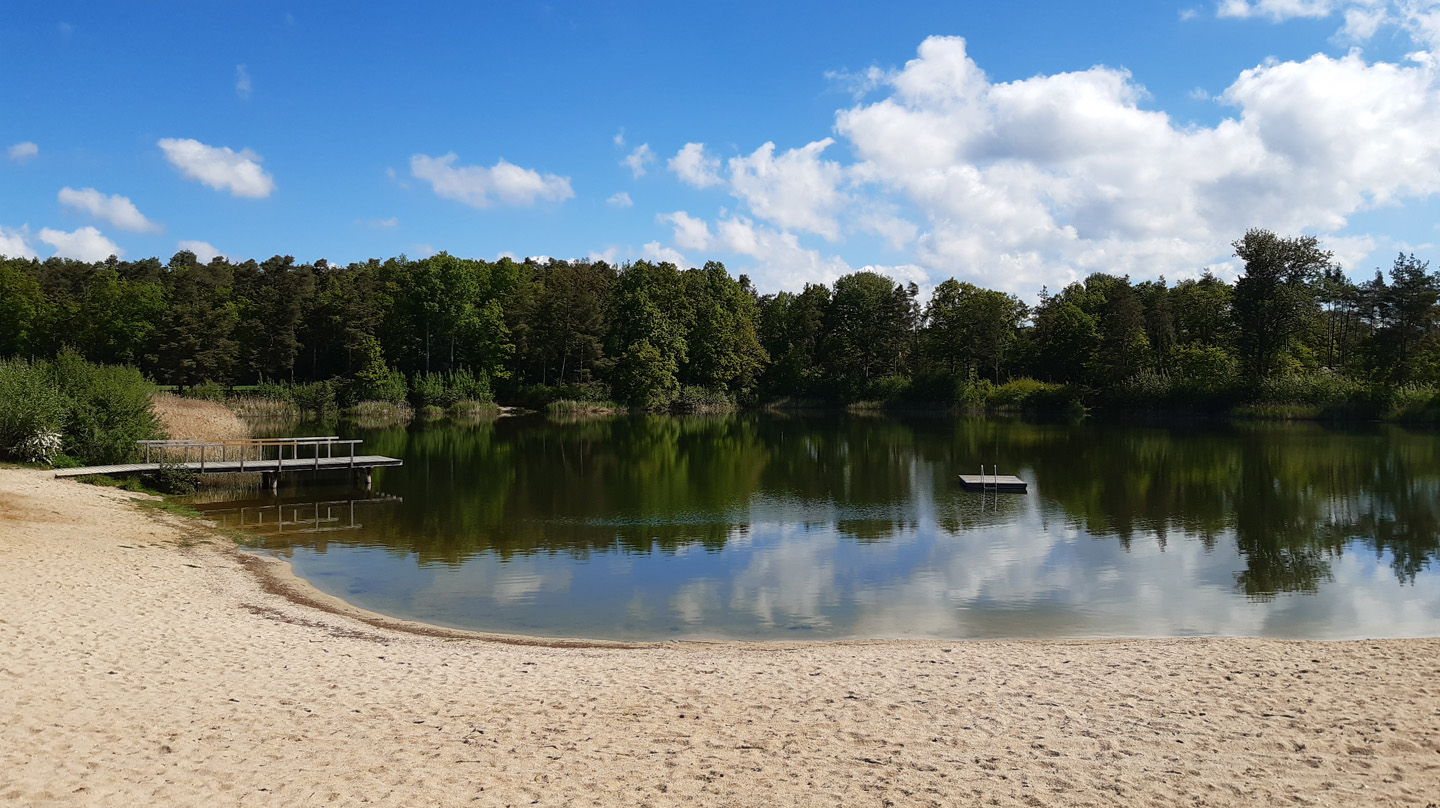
[257,407]
[570,406]
[167,506]
[380,414]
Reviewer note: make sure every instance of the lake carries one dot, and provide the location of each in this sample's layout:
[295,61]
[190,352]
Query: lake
[777,526]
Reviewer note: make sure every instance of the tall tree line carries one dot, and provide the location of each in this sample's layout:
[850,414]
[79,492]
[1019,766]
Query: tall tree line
[643,332]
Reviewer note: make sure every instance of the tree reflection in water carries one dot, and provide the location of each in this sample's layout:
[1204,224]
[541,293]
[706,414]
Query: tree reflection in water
[1292,497]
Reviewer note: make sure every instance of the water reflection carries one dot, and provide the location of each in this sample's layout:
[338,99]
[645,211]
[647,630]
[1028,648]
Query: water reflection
[764,525]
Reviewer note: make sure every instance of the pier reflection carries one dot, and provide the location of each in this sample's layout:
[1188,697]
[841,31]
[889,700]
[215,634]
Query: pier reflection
[272,521]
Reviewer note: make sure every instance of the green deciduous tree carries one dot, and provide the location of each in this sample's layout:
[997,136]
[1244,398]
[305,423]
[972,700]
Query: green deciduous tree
[1274,295]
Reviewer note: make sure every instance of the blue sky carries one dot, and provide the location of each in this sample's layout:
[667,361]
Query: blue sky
[1013,145]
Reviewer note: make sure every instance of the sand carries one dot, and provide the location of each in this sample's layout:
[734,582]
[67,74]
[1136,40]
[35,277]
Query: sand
[144,662]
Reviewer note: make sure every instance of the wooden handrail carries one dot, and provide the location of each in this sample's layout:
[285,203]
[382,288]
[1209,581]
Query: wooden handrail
[328,441]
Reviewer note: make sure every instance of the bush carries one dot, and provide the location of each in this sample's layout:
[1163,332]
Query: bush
[41,447]
[886,388]
[173,478]
[429,390]
[540,396]
[30,403]
[98,410]
[1036,396]
[467,386]
[110,409]
[207,391]
[699,399]
[316,398]
[272,390]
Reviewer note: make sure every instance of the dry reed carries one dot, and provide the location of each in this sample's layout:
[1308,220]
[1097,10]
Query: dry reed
[194,419]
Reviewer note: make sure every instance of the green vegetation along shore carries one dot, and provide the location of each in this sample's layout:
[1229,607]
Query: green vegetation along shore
[1291,337]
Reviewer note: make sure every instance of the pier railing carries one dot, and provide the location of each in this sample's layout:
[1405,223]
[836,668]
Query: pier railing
[253,454]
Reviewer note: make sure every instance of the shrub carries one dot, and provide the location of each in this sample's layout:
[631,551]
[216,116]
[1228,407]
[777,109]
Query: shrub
[428,390]
[272,390]
[886,388]
[41,447]
[467,386]
[700,399]
[110,409]
[315,398]
[173,478]
[207,391]
[98,410]
[1029,394]
[30,403]
[539,396]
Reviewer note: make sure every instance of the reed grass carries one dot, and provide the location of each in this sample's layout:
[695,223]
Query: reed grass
[570,406]
[380,414]
[263,407]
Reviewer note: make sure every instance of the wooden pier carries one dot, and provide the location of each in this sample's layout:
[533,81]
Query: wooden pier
[248,456]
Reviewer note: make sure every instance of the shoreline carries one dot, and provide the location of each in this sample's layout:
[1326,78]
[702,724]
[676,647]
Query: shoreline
[144,660]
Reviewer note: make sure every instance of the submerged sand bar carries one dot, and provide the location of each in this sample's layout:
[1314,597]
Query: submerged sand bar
[143,661]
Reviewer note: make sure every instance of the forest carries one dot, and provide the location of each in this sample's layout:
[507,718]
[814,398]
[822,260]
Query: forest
[1292,329]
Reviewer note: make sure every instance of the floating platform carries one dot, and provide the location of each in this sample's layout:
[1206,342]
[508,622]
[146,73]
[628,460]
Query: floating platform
[1004,483]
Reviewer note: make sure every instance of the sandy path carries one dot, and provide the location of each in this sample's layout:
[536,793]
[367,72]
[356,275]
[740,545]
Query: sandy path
[138,666]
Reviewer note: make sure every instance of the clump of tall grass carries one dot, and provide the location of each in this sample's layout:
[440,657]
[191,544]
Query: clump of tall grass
[380,414]
[194,419]
[570,406]
[263,407]
[470,409]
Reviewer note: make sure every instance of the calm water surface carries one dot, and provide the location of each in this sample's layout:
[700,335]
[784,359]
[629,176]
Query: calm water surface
[768,526]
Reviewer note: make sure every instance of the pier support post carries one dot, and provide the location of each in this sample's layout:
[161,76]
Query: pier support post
[363,478]
[270,480]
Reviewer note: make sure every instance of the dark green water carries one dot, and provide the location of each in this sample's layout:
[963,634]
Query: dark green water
[819,527]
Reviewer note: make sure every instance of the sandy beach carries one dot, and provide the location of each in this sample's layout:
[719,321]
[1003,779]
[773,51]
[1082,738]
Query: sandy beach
[145,661]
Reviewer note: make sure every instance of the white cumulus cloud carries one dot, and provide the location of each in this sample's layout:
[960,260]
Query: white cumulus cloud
[796,190]
[481,187]
[115,209]
[660,254]
[620,199]
[638,159]
[14,243]
[1418,19]
[1050,178]
[204,252]
[219,167]
[22,151]
[85,244]
[1042,181]
[690,233]
[694,167]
